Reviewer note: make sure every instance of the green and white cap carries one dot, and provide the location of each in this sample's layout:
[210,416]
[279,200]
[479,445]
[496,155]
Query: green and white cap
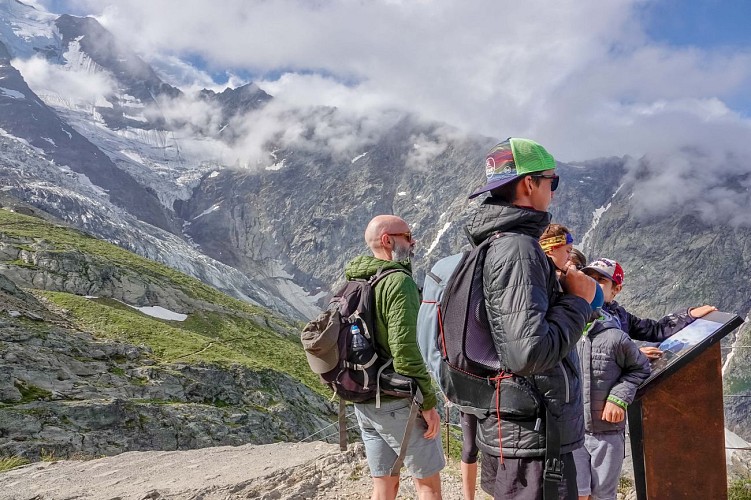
[512,159]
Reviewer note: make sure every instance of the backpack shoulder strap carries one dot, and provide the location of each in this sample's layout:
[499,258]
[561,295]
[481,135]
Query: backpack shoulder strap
[490,239]
[553,470]
[382,273]
[495,235]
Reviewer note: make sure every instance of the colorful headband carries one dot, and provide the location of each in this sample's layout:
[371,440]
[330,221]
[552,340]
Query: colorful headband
[552,242]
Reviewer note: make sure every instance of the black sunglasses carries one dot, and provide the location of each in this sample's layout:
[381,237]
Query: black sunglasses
[555,179]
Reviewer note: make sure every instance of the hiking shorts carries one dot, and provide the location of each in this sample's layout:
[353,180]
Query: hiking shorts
[382,430]
[521,478]
[599,463]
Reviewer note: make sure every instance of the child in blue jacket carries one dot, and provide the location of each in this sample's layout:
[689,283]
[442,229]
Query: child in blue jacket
[609,274]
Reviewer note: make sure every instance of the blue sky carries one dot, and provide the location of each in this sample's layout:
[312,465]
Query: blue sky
[717,24]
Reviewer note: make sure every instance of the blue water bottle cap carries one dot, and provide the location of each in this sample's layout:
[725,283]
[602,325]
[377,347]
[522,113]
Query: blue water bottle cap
[599,299]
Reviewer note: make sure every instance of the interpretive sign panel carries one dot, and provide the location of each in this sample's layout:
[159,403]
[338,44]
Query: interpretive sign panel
[687,344]
[679,410]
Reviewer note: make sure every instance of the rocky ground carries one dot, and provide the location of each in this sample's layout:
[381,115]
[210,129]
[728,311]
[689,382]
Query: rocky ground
[283,471]
[278,471]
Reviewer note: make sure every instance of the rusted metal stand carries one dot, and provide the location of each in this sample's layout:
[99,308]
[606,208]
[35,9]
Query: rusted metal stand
[342,425]
[677,434]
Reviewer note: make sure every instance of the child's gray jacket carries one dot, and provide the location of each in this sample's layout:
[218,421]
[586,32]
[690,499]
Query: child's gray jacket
[612,368]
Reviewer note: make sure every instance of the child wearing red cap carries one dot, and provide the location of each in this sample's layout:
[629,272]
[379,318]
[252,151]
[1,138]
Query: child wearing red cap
[609,274]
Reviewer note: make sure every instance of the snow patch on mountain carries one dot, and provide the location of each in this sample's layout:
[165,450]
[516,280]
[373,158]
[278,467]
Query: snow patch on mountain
[595,220]
[276,166]
[213,208]
[596,215]
[292,292]
[161,313]
[5,133]
[358,157]
[76,59]
[13,94]
[733,444]
[153,157]
[438,238]
[138,118]
[26,29]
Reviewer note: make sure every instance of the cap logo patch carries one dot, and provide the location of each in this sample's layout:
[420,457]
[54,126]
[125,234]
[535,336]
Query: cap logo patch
[500,162]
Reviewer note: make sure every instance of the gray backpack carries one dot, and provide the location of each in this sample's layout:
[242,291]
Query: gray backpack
[453,331]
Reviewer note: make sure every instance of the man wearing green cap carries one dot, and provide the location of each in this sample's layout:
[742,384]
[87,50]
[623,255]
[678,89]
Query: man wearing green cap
[535,321]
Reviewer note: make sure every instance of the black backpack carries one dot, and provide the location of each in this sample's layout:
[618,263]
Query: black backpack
[358,371]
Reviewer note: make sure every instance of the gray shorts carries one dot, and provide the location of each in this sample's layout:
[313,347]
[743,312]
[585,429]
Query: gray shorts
[382,431]
[599,463]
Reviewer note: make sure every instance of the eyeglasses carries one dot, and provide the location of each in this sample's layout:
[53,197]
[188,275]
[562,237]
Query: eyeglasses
[407,236]
[555,179]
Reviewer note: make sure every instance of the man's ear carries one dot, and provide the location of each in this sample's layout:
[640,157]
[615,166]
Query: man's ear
[385,241]
[617,289]
[527,181]
[523,187]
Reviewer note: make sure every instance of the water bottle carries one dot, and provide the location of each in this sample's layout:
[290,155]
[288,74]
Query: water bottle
[358,346]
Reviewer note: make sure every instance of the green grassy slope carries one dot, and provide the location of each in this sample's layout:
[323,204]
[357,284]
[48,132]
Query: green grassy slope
[233,332]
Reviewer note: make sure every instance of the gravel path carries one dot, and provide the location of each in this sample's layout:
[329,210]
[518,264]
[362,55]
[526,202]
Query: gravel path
[280,471]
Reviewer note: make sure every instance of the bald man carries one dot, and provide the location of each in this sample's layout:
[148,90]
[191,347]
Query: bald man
[397,301]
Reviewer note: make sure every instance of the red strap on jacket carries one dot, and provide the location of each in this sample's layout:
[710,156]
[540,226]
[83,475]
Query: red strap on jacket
[498,380]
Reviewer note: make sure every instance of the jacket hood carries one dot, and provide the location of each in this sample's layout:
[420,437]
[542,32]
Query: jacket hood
[365,266]
[604,322]
[498,216]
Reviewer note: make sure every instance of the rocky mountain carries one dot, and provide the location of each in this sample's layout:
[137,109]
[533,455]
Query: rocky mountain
[26,117]
[130,168]
[102,351]
[136,78]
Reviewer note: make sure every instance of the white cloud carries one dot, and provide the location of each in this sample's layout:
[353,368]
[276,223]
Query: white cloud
[580,76]
[555,71]
[179,73]
[73,86]
[711,180]
[424,149]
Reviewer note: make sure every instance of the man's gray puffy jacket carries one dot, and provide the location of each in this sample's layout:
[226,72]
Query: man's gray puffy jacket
[612,368]
[535,327]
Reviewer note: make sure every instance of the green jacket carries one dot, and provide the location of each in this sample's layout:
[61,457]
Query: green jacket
[397,301]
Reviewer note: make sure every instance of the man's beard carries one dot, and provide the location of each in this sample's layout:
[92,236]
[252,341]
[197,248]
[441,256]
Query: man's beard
[402,253]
